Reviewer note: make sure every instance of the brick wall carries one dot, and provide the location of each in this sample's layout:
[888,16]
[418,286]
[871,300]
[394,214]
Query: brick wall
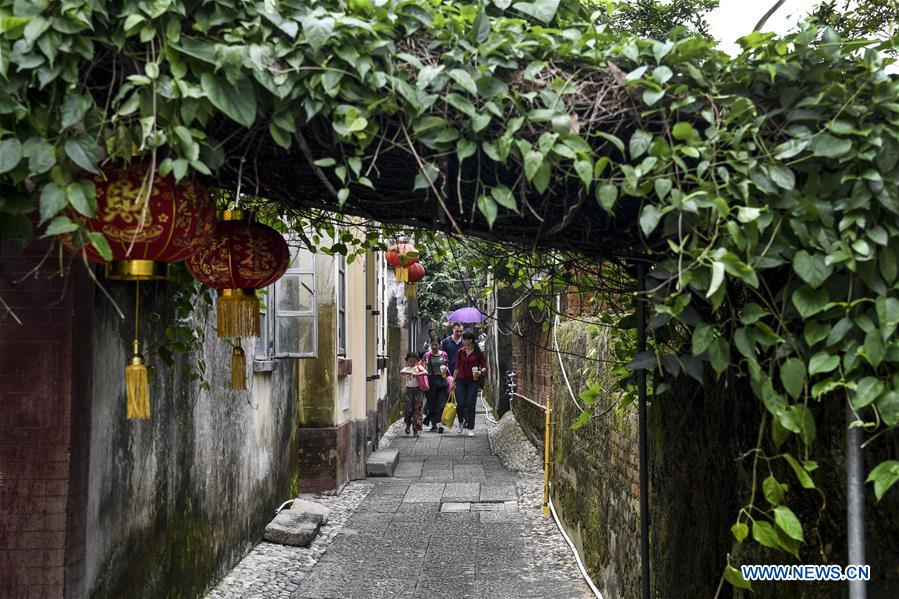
[595,469]
[531,362]
[36,382]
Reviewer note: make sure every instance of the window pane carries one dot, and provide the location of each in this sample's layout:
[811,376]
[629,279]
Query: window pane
[295,293]
[296,335]
[341,332]
[288,293]
[262,352]
[305,260]
[306,292]
[288,335]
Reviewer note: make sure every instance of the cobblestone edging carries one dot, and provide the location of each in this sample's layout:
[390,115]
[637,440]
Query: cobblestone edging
[548,552]
[272,571]
[512,447]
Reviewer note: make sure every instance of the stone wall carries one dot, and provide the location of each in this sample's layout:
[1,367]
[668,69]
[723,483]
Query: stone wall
[176,500]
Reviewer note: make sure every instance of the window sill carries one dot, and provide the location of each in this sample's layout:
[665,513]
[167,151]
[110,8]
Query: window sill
[263,365]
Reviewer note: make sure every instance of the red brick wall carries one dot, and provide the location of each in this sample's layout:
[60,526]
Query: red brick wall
[36,383]
[532,364]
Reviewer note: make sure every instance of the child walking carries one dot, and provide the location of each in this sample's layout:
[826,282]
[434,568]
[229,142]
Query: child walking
[412,407]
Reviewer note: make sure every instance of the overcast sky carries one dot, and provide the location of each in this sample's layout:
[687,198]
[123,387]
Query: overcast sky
[735,18]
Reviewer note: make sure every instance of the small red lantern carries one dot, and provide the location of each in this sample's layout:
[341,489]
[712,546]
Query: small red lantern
[242,257]
[401,256]
[416,274]
[145,236]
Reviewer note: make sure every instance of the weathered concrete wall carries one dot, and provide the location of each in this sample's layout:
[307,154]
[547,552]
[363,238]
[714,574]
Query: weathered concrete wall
[175,501]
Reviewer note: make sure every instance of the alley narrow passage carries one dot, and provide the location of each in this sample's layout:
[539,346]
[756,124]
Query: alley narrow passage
[452,522]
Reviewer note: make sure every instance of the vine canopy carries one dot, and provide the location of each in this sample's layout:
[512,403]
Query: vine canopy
[763,187]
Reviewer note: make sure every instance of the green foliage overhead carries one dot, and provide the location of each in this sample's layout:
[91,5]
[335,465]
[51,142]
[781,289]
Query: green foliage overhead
[860,18]
[651,18]
[765,185]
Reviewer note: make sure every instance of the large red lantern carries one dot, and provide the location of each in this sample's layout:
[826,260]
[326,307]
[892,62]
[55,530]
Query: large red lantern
[416,274]
[148,224]
[147,232]
[401,256]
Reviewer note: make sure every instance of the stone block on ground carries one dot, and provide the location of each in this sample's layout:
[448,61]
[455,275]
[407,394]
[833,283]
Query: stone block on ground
[311,507]
[382,462]
[293,527]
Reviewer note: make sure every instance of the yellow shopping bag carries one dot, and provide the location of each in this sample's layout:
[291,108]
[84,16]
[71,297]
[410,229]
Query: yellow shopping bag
[449,411]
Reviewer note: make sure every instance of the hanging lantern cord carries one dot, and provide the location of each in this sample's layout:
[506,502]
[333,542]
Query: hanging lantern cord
[137,388]
[136,316]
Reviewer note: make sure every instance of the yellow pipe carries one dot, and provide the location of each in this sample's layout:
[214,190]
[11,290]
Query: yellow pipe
[547,453]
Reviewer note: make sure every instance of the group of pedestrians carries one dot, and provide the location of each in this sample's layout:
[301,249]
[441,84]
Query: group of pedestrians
[455,367]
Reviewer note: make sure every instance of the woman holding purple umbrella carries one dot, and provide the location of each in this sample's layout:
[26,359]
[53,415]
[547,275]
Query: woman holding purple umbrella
[471,366]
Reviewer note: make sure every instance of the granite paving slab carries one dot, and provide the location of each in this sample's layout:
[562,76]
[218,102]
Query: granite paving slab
[452,522]
[461,492]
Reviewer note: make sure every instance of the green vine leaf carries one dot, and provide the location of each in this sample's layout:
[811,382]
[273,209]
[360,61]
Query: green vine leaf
[804,479]
[764,534]
[10,154]
[735,578]
[788,522]
[828,146]
[884,476]
[774,491]
[740,531]
[542,10]
[238,101]
[811,268]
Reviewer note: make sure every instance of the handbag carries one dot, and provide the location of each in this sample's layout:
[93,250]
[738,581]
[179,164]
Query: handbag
[449,410]
[423,383]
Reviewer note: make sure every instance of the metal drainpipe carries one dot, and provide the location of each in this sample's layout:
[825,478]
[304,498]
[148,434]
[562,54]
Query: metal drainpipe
[640,308]
[855,503]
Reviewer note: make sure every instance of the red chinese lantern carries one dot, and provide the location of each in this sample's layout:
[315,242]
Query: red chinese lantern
[146,236]
[148,225]
[416,274]
[400,257]
[242,257]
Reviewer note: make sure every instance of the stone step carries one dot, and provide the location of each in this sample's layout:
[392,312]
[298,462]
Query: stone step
[293,527]
[382,462]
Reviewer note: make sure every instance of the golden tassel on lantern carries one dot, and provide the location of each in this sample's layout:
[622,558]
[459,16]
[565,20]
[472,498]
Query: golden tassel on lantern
[410,289]
[137,386]
[238,368]
[237,313]
[402,274]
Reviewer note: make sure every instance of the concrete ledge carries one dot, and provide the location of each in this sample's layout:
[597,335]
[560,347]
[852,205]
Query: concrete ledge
[382,462]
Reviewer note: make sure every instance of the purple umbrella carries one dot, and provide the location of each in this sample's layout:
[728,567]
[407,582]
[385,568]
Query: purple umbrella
[467,315]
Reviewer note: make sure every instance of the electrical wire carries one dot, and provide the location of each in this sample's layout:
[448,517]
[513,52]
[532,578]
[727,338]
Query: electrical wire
[559,353]
[487,414]
[577,556]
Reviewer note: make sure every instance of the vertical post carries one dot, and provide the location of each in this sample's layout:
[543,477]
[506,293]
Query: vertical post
[547,445]
[640,308]
[855,503]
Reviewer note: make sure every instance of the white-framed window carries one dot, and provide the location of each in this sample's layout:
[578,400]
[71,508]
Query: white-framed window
[289,327]
[341,305]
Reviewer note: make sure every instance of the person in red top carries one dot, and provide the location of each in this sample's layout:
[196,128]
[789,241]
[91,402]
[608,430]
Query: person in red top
[471,366]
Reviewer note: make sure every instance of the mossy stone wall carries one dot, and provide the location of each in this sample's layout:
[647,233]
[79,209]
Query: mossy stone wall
[175,501]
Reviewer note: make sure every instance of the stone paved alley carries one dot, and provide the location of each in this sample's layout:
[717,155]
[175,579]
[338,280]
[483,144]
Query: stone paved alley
[452,522]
